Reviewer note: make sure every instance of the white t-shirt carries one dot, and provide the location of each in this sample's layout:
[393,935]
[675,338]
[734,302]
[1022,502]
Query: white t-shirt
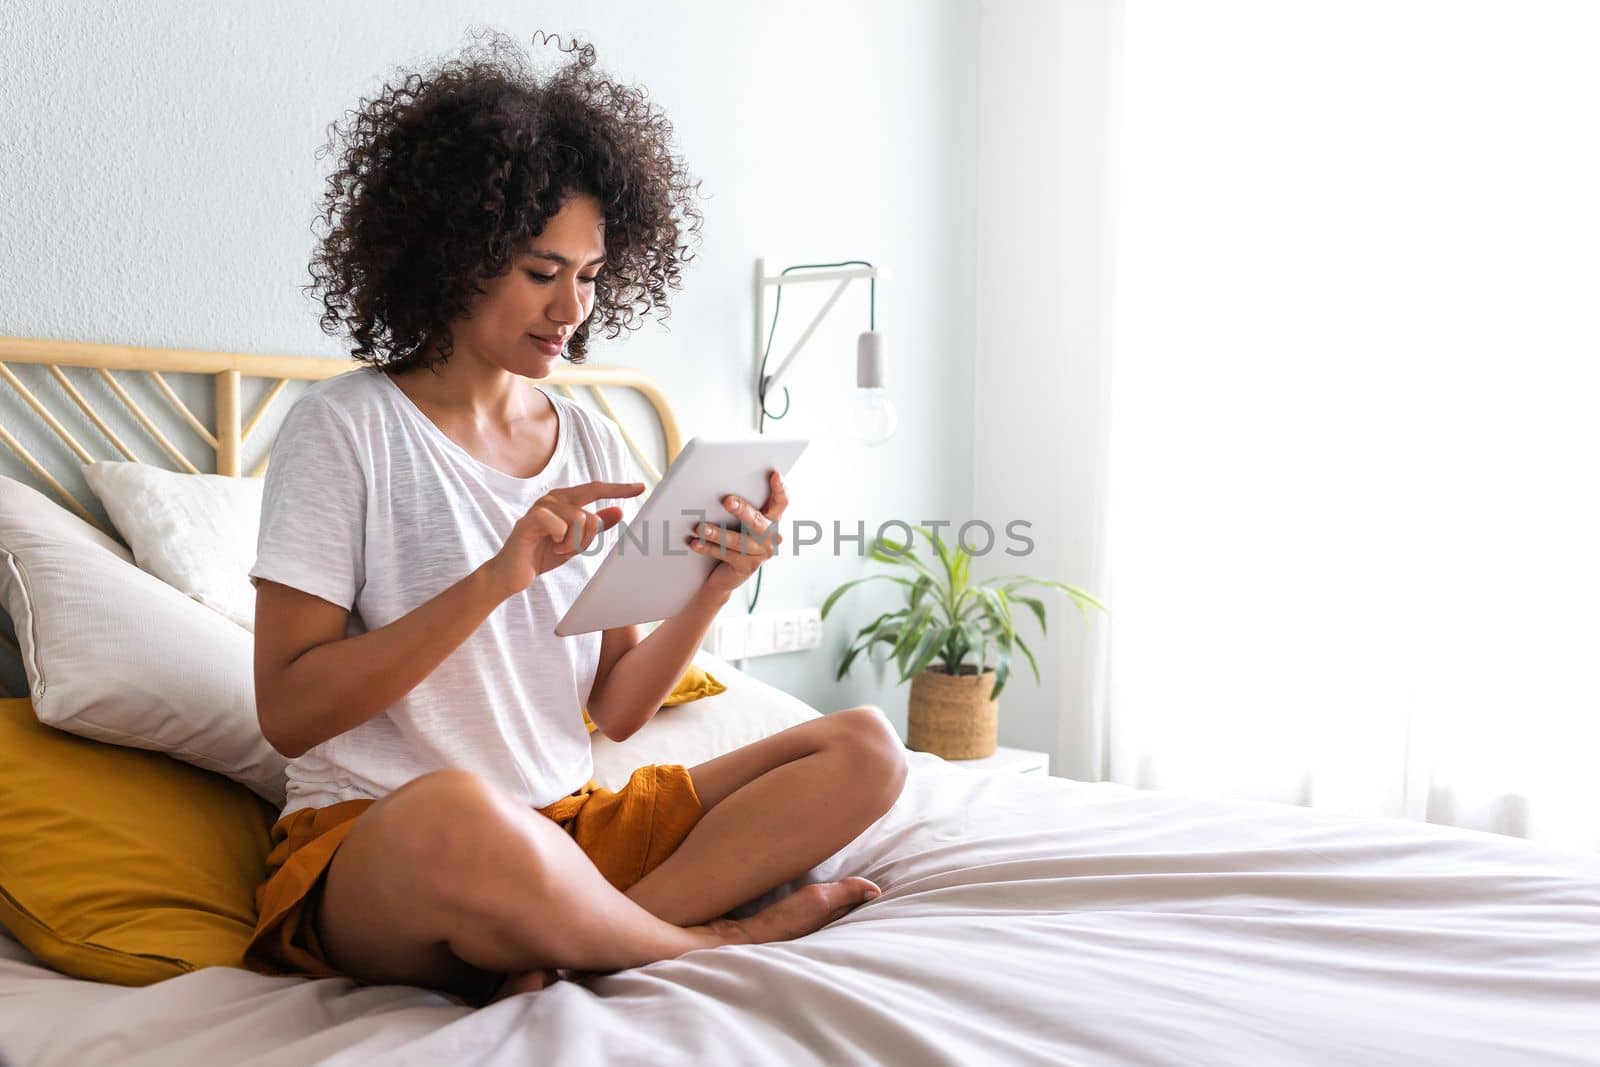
[369,505]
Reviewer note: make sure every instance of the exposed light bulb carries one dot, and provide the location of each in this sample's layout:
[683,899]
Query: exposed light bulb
[875,417]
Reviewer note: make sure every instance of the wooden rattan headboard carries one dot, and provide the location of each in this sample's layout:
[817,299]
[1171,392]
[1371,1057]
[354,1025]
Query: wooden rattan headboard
[233,430]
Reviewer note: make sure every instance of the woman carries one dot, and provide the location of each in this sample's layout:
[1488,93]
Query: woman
[423,528]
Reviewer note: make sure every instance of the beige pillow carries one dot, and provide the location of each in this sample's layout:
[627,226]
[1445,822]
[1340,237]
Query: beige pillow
[117,655]
[196,532]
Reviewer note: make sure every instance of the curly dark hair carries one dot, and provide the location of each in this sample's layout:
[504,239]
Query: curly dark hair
[443,176]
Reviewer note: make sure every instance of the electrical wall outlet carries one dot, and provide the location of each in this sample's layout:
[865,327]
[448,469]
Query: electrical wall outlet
[765,633]
[811,629]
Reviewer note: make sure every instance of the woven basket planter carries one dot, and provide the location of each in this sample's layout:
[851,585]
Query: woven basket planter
[953,715]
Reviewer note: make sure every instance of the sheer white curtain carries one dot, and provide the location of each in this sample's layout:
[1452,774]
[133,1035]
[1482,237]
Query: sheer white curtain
[1355,436]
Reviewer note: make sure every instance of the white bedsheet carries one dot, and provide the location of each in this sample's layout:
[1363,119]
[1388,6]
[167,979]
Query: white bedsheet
[1024,920]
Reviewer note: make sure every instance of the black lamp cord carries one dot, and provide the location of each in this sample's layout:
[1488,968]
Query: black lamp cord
[761,378]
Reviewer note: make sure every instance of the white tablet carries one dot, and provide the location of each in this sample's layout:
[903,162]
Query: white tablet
[650,572]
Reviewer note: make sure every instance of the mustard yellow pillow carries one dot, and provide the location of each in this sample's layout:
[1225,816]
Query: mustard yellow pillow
[694,684]
[120,864]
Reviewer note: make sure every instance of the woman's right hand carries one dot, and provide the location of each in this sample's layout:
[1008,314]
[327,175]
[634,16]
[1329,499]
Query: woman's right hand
[554,530]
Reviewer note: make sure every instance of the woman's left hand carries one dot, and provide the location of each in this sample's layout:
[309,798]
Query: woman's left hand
[742,553]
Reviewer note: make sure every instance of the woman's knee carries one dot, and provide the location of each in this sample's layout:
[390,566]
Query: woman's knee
[445,825]
[387,906]
[873,745]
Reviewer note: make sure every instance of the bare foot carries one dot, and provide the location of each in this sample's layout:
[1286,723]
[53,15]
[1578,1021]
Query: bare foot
[523,982]
[801,912]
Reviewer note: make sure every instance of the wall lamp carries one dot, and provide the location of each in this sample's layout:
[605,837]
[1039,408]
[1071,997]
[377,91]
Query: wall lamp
[874,416]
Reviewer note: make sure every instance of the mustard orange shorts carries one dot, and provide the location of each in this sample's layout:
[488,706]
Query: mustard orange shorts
[626,833]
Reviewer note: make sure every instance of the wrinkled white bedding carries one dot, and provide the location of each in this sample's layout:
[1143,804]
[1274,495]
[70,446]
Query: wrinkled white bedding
[1024,920]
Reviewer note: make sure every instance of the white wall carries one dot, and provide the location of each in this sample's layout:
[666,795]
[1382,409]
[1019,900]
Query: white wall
[158,178]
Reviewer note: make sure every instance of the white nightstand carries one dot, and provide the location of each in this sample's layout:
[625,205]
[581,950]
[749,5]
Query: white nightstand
[1020,760]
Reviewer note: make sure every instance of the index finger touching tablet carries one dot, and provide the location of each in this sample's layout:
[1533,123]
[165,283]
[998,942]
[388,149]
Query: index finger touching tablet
[589,492]
[648,575]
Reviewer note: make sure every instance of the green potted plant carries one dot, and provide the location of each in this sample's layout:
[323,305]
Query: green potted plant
[954,640]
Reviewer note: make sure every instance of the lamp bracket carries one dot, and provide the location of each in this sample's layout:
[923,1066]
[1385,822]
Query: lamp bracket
[764,281]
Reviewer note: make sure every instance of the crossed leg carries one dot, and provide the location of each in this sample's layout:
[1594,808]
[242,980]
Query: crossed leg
[773,810]
[446,882]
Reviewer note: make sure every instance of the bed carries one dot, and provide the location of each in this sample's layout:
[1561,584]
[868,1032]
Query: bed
[1024,919]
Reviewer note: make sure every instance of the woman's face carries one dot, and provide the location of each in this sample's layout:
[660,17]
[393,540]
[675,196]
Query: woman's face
[547,294]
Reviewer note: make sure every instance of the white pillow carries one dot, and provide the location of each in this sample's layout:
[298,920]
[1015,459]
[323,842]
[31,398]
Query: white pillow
[118,655]
[701,729]
[196,532]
